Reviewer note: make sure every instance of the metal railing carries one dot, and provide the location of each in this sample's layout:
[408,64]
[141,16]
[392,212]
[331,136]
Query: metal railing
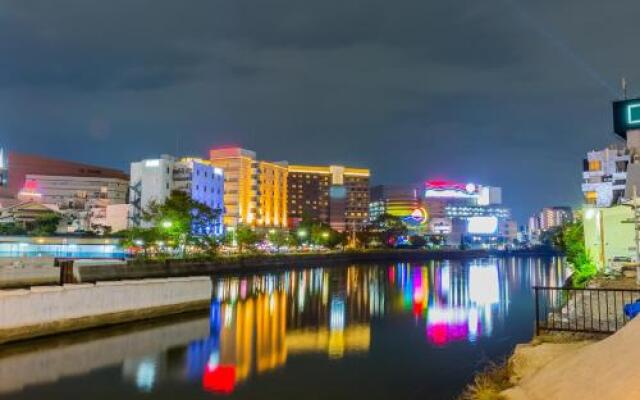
[582,310]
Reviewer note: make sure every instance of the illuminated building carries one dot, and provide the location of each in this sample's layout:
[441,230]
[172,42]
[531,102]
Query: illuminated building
[153,180]
[396,200]
[240,184]
[79,192]
[467,213]
[255,191]
[81,201]
[548,218]
[18,166]
[335,195]
[272,184]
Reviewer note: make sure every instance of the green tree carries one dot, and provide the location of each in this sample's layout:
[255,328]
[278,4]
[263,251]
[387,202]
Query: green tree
[246,238]
[45,225]
[278,238]
[181,221]
[11,228]
[570,240]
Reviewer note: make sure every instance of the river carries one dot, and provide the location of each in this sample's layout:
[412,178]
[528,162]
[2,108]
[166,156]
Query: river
[385,331]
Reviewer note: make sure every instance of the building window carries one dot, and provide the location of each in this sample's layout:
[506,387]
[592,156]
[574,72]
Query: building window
[595,165]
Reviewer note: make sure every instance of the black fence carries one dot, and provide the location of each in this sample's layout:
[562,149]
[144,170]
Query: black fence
[582,310]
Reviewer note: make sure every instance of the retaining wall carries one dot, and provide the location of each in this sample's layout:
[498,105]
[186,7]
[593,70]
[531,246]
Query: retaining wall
[26,313]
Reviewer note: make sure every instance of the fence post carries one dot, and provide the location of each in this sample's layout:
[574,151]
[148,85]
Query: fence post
[535,290]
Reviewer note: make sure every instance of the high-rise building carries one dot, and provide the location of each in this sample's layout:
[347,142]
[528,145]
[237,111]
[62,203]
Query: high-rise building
[335,195]
[255,191]
[394,200]
[153,180]
[548,218]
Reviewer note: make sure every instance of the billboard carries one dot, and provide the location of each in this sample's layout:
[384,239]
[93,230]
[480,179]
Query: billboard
[626,116]
[482,225]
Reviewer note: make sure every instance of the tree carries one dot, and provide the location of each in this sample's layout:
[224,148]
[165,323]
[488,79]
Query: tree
[278,238]
[570,240]
[45,225]
[11,228]
[181,221]
[245,237]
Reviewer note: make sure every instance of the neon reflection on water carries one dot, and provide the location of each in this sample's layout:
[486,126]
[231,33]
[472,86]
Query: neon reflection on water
[259,321]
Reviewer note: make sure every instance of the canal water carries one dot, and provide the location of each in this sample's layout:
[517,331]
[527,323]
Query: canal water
[385,331]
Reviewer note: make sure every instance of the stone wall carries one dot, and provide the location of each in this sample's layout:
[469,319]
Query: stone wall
[50,309]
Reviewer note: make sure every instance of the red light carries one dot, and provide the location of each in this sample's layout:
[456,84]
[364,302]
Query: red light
[30,186]
[442,184]
[221,379]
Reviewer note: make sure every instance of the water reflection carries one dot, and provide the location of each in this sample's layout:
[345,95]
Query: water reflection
[258,321]
[258,324]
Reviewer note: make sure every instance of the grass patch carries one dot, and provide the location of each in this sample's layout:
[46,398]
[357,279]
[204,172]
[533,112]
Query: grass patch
[489,383]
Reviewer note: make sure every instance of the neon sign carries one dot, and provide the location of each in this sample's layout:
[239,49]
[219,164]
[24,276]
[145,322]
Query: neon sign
[449,189]
[418,216]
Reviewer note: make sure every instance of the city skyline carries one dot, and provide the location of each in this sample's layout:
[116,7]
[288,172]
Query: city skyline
[107,84]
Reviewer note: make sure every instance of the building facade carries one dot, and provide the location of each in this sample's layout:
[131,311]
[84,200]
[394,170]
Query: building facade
[80,193]
[272,197]
[153,180]
[467,213]
[334,195]
[18,166]
[240,184]
[394,200]
[605,176]
[255,191]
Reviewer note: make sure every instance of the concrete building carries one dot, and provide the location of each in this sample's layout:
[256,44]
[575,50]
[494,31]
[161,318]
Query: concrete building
[605,176]
[153,180]
[79,192]
[394,200]
[255,191]
[335,195]
[18,166]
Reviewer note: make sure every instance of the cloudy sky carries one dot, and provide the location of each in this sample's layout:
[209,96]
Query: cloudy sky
[501,92]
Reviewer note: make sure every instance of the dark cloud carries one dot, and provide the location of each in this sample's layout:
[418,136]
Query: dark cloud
[504,92]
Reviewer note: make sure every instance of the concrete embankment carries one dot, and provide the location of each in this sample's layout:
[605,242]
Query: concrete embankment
[604,370]
[256,263]
[43,310]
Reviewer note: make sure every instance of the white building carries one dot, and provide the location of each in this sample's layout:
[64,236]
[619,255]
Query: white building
[81,200]
[605,176]
[153,180]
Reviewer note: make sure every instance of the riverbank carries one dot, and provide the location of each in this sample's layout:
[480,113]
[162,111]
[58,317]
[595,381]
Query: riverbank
[568,365]
[47,310]
[262,262]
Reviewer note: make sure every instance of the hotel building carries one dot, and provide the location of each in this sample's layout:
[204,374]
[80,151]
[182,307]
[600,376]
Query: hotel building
[153,180]
[255,191]
[335,195]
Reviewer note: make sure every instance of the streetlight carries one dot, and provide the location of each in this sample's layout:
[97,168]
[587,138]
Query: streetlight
[325,235]
[167,224]
[302,234]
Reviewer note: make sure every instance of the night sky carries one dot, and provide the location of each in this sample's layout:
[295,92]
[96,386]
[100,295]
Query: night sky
[500,92]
